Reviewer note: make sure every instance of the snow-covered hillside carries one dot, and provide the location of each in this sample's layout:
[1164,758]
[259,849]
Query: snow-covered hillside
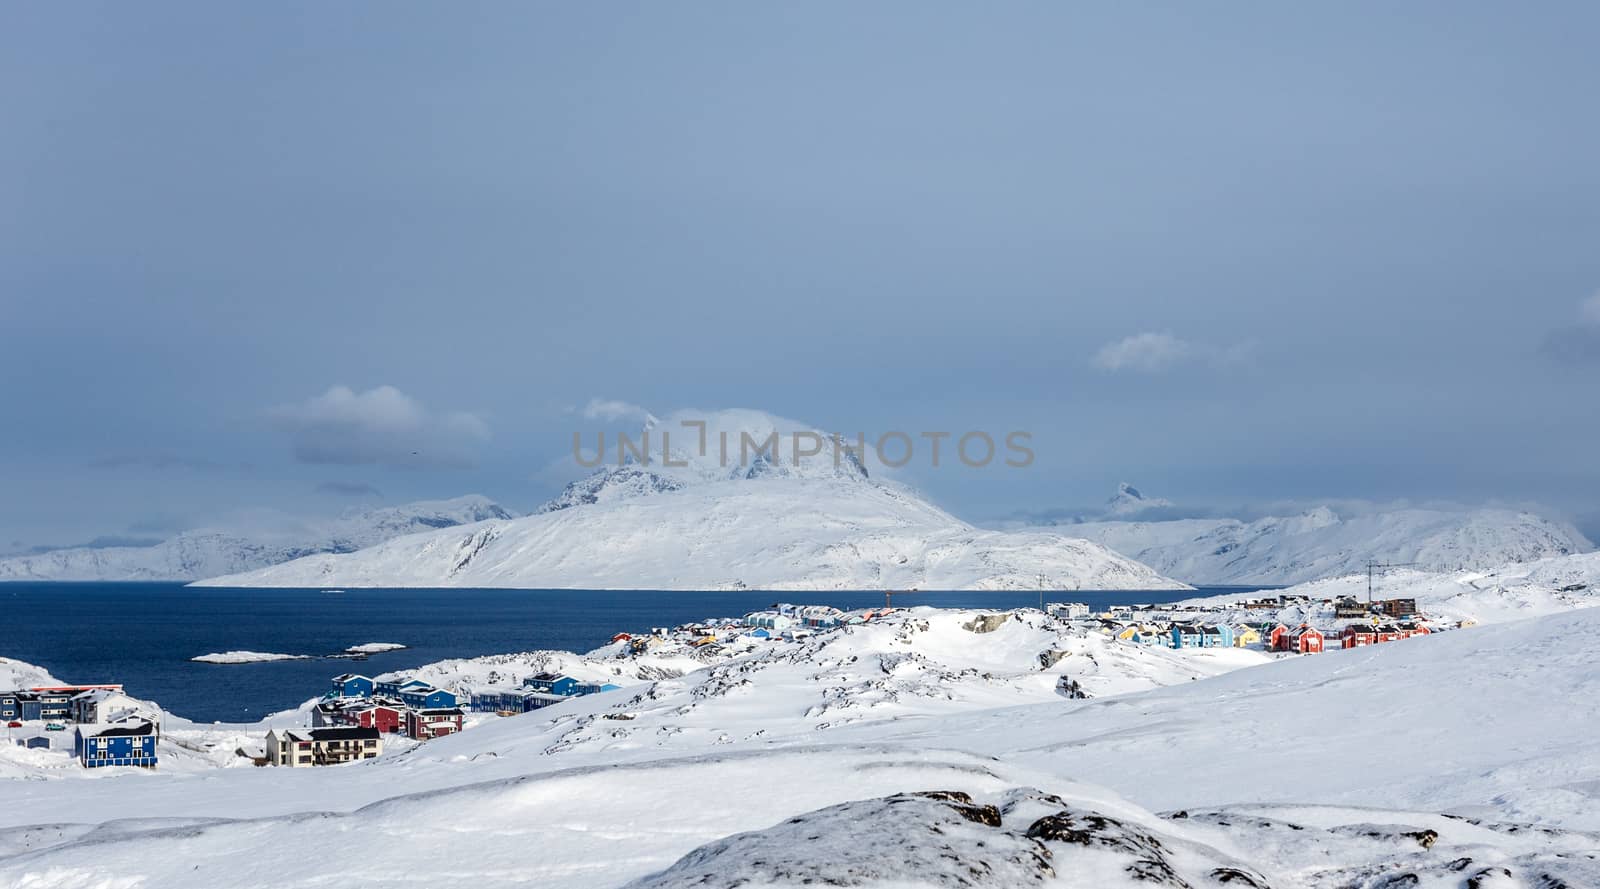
[1507,593]
[1419,764]
[821,523]
[1322,543]
[198,554]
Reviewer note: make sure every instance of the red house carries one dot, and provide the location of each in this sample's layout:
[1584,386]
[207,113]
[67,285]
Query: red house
[1306,640]
[622,637]
[425,724]
[1357,635]
[1278,639]
[1389,633]
[382,717]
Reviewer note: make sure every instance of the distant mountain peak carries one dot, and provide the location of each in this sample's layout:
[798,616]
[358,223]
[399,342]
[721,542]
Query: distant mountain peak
[1129,501]
[693,448]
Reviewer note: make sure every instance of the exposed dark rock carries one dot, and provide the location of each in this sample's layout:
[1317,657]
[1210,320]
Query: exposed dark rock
[986,623]
[1489,878]
[1235,877]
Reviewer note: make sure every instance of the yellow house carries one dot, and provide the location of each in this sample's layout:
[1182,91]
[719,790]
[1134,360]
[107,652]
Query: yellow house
[1244,636]
[1127,633]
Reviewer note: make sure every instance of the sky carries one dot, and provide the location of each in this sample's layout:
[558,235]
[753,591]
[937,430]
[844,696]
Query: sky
[288,259]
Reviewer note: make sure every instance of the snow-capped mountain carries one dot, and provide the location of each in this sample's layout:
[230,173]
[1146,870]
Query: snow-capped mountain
[1323,543]
[723,518]
[197,554]
[1129,502]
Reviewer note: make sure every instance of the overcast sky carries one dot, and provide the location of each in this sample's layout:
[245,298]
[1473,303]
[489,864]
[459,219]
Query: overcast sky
[292,258]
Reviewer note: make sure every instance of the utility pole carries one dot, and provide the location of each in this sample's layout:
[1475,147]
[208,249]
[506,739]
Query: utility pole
[1381,566]
[1041,590]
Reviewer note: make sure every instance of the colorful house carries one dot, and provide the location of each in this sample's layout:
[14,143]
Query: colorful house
[352,685]
[1246,636]
[428,698]
[129,743]
[391,688]
[1278,638]
[49,706]
[386,718]
[427,724]
[1358,636]
[551,684]
[1305,640]
[1194,636]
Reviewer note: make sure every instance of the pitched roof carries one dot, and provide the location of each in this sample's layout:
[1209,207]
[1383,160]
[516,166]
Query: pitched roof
[121,729]
[343,734]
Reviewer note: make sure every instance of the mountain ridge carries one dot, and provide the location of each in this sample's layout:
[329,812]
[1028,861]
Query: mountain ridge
[1321,542]
[196,554]
[693,520]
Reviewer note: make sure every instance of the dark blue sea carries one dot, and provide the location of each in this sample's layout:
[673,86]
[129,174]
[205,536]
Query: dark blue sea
[144,634]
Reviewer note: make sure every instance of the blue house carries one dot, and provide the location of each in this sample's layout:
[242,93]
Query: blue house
[552,684]
[1193,636]
[483,701]
[393,687]
[10,707]
[131,743]
[352,685]
[43,705]
[502,701]
[429,698]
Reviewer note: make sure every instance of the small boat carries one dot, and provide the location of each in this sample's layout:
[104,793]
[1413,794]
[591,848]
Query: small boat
[333,592]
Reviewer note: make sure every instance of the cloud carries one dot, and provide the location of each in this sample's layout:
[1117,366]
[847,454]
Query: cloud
[1146,352]
[611,410]
[378,426]
[1580,342]
[349,489]
[1153,352]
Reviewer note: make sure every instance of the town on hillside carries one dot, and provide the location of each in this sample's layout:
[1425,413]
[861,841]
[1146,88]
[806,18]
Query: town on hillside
[102,726]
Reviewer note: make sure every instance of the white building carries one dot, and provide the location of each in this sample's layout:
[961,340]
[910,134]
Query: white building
[1068,610]
[770,620]
[299,747]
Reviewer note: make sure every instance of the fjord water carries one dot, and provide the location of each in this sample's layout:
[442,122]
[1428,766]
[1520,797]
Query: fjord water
[144,634]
